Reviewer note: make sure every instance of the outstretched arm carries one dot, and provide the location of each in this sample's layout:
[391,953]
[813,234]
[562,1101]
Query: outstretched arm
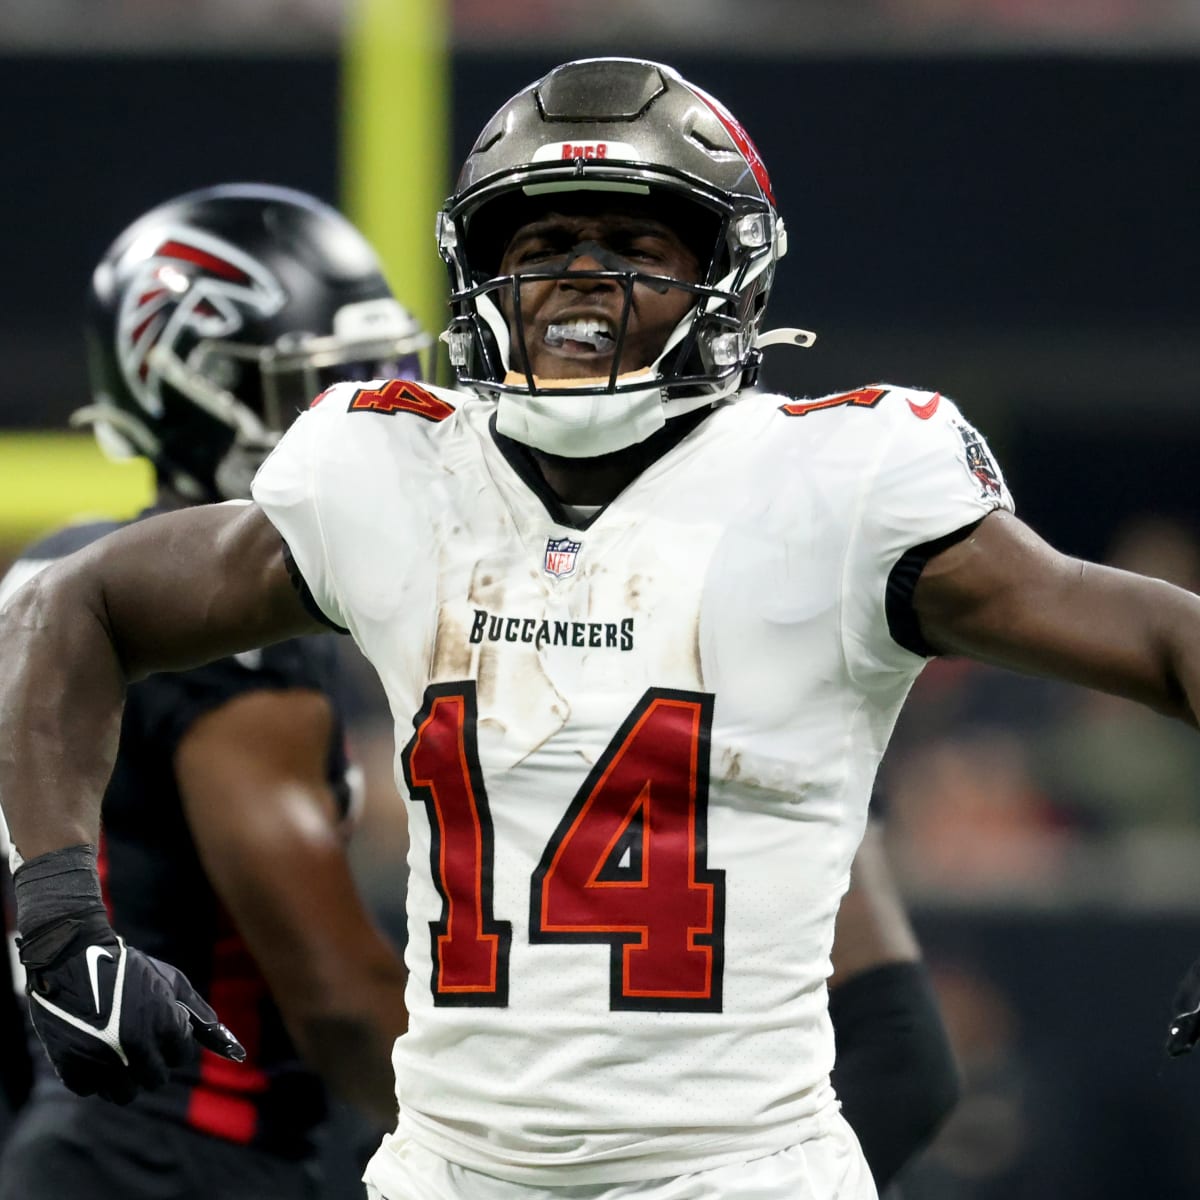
[1003,596]
[169,592]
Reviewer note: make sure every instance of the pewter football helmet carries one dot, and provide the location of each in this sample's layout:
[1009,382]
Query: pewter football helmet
[637,128]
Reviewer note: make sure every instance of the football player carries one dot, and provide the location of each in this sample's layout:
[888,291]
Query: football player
[644,631]
[212,321]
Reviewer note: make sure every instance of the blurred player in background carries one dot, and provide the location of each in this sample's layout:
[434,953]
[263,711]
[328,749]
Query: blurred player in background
[212,321]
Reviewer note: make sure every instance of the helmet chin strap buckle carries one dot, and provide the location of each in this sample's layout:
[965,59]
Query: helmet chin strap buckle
[802,339]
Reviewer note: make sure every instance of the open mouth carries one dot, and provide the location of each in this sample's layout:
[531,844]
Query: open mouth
[587,334]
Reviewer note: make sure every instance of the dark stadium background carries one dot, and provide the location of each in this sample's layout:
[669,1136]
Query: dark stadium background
[1019,231]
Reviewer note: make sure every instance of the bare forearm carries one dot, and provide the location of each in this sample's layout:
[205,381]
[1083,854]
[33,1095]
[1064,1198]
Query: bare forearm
[60,712]
[1134,637]
[355,1061]
[1179,639]
[1005,597]
[252,775]
[349,1040]
[341,992]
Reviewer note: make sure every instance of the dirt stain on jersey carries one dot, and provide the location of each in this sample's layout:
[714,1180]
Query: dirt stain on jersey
[519,706]
[452,652]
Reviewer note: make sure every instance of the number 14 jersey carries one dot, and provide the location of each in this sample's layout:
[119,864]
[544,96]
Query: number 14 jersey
[639,750]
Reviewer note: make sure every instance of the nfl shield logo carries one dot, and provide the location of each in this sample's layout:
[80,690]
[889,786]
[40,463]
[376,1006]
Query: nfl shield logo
[560,556]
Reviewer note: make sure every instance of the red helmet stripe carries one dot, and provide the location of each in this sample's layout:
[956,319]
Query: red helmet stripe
[741,139]
[210,262]
[136,336]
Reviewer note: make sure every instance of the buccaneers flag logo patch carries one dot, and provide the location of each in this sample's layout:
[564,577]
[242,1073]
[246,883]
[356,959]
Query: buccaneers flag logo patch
[979,461]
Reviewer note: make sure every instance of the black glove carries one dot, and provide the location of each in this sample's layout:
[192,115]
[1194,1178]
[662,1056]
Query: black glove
[1184,1031]
[112,1019]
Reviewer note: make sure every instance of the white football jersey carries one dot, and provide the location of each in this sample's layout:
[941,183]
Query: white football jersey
[639,753]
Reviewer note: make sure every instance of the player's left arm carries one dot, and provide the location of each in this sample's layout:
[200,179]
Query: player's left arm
[1002,595]
[253,778]
[895,1073]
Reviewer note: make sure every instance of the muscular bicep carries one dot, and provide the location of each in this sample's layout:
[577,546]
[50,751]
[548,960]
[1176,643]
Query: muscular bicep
[191,586]
[1003,596]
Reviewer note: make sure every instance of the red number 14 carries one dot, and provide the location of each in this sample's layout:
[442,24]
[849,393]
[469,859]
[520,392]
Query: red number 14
[626,865]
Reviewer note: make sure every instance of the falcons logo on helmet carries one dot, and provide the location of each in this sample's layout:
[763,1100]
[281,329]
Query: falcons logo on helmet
[191,284]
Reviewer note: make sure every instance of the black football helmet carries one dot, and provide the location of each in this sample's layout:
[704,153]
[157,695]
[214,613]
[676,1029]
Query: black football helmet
[634,128]
[218,316]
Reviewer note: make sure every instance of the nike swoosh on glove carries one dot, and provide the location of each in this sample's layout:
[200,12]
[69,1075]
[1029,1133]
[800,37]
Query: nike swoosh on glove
[1184,1030]
[112,1019]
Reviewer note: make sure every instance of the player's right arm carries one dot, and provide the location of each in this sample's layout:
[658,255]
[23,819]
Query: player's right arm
[162,594]
[169,592]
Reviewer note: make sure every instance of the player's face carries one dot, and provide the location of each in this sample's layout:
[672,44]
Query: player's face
[571,323]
